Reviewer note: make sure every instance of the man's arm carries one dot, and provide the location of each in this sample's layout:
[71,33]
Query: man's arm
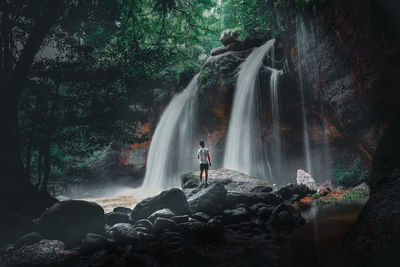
[208,156]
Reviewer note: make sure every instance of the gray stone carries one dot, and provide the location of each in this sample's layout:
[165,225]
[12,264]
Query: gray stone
[180,219]
[173,199]
[201,216]
[208,200]
[71,220]
[124,232]
[164,213]
[94,242]
[28,239]
[164,225]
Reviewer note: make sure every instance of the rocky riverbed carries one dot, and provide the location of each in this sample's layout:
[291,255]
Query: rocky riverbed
[236,221]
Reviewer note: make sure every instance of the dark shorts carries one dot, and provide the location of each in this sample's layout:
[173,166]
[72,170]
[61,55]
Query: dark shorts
[203,167]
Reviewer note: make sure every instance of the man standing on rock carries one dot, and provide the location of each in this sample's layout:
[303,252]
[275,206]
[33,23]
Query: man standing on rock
[204,158]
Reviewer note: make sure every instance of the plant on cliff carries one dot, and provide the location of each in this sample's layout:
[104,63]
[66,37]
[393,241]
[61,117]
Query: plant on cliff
[350,175]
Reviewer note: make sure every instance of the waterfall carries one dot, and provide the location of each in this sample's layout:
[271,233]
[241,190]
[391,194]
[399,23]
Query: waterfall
[275,142]
[245,150]
[172,149]
[301,41]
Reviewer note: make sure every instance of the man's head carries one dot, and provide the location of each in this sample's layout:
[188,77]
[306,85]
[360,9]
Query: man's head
[202,144]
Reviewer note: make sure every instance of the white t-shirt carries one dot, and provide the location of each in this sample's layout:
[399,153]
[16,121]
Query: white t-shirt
[202,153]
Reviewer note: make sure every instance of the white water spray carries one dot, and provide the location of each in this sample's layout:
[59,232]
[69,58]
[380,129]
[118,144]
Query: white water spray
[275,142]
[172,149]
[245,150]
[301,41]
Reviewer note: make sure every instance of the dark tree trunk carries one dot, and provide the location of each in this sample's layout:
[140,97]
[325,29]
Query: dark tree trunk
[29,144]
[17,194]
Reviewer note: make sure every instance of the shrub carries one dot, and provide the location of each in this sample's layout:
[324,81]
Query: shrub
[351,175]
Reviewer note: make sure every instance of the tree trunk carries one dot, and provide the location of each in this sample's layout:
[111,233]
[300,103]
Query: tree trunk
[17,193]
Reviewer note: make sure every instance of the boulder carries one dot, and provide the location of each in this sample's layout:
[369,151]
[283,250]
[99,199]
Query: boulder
[218,51]
[229,37]
[262,188]
[164,225]
[124,233]
[362,187]
[145,224]
[164,213]
[305,178]
[45,253]
[201,217]
[180,219]
[94,242]
[173,199]
[257,206]
[230,179]
[28,239]
[265,212]
[290,189]
[123,210]
[249,198]
[208,200]
[233,216]
[71,220]
[112,218]
[282,219]
[13,227]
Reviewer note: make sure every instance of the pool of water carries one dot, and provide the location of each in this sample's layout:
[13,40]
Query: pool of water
[318,242]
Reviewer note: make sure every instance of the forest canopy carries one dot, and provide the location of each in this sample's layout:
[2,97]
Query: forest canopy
[103,68]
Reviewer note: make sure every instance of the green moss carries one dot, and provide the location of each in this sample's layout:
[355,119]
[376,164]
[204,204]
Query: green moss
[222,72]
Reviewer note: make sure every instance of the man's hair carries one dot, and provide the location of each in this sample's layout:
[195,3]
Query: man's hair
[202,143]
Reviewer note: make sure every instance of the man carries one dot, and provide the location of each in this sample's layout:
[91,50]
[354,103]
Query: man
[204,158]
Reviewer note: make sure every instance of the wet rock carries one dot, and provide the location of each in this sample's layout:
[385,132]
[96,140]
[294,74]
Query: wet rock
[164,213]
[265,212]
[230,179]
[146,224]
[173,199]
[232,216]
[201,217]
[208,200]
[94,242]
[164,225]
[116,217]
[229,37]
[262,188]
[71,220]
[282,219]
[14,227]
[218,51]
[123,210]
[180,219]
[28,239]
[250,198]
[124,233]
[290,189]
[42,254]
[256,206]
[305,178]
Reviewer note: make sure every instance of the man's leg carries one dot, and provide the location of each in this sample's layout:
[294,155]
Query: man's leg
[201,176]
[206,170]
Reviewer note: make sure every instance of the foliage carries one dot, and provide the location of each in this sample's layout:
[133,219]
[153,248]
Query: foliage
[350,175]
[247,15]
[356,195]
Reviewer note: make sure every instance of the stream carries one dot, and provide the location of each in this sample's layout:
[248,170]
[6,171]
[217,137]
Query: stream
[318,242]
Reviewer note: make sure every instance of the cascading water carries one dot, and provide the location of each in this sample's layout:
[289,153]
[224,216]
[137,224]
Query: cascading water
[245,150]
[275,142]
[172,149]
[301,40]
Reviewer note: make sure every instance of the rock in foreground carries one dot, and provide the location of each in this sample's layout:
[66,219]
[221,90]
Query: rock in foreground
[71,220]
[173,199]
[230,179]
